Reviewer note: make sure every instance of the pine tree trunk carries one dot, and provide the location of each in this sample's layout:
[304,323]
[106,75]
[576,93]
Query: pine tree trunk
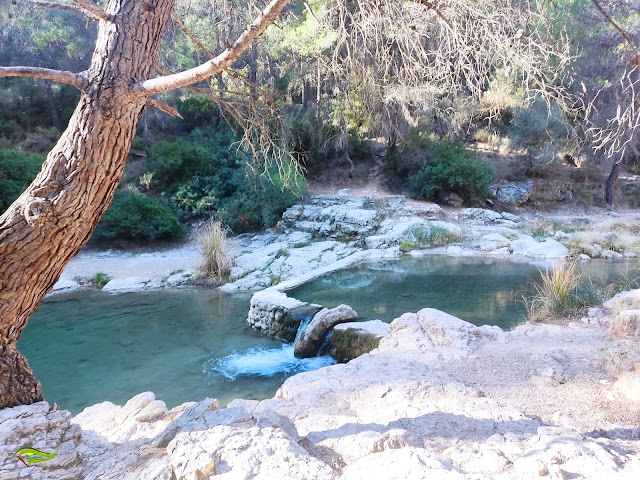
[44,228]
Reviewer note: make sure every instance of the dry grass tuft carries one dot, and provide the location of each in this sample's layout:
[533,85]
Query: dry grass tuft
[562,291]
[217,261]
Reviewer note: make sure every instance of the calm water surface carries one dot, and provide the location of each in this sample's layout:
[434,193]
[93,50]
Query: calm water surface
[88,347]
[480,290]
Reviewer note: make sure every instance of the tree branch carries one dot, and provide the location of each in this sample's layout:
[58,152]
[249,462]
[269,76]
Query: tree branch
[172,112]
[59,6]
[432,6]
[219,63]
[92,10]
[191,36]
[86,9]
[624,34]
[61,76]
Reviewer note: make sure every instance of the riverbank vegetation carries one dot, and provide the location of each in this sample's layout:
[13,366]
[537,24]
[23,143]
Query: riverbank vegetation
[544,94]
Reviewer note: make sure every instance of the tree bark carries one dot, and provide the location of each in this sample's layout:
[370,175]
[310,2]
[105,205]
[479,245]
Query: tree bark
[610,188]
[49,223]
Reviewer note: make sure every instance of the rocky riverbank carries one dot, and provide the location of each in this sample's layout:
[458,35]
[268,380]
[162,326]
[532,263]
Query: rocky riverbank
[331,232]
[439,398]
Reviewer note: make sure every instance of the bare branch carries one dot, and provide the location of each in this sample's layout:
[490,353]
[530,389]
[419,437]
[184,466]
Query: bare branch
[219,63]
[191,36]
[92,10]
[86,9]
[313,15]
[61,76]
[172,112]
[624,34]
[59,6]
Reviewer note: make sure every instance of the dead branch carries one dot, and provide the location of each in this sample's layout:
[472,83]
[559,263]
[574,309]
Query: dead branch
[60,76]
[163,107]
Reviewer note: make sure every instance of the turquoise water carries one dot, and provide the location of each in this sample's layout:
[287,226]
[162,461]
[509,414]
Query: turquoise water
[480,290]
[89,347]
[187,344]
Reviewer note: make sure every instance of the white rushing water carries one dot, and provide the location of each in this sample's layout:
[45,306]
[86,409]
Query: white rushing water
[262,361]
[266,362]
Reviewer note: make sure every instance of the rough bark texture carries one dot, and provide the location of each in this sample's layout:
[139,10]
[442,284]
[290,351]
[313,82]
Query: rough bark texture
[44,228]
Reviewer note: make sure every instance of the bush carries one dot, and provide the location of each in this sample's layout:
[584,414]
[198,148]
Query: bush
[260,202]
[450,167]
[134,217]
[17,171]
[196,174]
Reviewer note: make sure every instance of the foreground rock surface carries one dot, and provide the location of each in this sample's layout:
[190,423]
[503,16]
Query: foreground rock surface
[439,398]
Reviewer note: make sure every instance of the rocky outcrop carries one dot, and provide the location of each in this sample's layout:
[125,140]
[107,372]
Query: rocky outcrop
[269,310]
[514,193]
[312,337]
[43,427]
[350,340]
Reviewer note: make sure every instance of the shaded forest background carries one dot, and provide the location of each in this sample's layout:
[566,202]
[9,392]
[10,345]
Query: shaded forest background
[344,101]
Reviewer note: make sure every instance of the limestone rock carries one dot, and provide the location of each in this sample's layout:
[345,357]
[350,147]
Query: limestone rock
[39,426]
[268,311]
[129,284]
[309,342]
[611,255]
[430,329]
[350,340]
[450,198]
[514,193]
[626,324]
[628,385]
[629,300]
[65,286]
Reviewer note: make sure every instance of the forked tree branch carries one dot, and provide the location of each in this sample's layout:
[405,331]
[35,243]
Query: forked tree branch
[86,9]
[60,76]
[220,62]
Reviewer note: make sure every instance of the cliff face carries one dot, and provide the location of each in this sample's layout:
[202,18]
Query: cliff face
[439,398]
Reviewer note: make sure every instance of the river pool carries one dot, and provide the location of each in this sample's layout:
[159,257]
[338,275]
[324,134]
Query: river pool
[187,344]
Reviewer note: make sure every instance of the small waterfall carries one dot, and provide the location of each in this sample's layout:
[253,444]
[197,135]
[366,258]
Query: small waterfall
[267,362]
[305,319]
[324,349]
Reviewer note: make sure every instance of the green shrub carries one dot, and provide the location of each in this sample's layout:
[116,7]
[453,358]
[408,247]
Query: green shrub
[134,217]
[100,279]
[441,236]
[17,171]
[407,246]
[450,167]
[260,202]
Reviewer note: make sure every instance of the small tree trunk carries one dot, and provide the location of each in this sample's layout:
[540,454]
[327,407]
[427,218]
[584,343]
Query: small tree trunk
[49,223]
[610,188]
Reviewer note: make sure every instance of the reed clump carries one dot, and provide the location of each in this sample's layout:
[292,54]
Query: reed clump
[217,260]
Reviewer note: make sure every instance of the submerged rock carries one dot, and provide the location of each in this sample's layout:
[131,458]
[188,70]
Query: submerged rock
[350,340]
[310,340]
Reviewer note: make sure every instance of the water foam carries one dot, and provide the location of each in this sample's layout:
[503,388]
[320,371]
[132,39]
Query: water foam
[265,362]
